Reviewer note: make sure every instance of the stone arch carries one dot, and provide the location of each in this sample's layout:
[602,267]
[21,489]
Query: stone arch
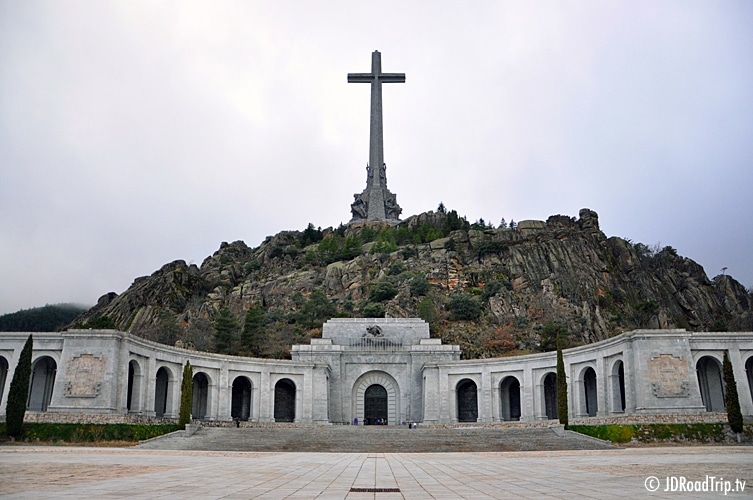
[509,390]
[163,392]
[3,378]
[749,374]
[589,392]
[133,398]
[200,396]
[384,380]
[618,386]
[42,383]
[550,396]
[710,382]
[285,392]
[240,405]
[467,400]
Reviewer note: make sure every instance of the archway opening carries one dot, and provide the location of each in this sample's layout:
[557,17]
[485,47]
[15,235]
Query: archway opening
[709,373]
[3,376]
[550,396]
[510,398]
[375,405]
[133,402]
[618,387]
[200,396]
[162,390]
[467,394]
[284,401]
[42,383]
[749,373]
[240,407]
[589,392]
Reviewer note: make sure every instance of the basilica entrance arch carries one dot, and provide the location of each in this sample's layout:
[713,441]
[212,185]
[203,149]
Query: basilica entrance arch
[376,395]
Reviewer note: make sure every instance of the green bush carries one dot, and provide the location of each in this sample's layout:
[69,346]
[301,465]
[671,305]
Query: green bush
[382,291]
[464,306]
[87,433]
[373,310]
[418,286]
[653,432]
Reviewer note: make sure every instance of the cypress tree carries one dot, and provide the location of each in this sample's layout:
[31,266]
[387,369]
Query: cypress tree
[186,395]
[734,415]
[562,410]
[18,394]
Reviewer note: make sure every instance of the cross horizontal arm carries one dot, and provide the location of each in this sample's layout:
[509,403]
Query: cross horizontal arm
[383,77]
[360,78]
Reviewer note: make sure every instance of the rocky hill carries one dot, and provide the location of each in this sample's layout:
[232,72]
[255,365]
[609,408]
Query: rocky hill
[494,291]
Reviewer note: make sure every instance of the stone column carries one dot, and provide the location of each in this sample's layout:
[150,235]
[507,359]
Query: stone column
[485,413]
[527,392]
[224,393]
[741,379]
[431,395]
[150,377]
[265,394]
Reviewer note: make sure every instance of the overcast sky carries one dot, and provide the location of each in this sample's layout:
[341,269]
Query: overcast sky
[137,133]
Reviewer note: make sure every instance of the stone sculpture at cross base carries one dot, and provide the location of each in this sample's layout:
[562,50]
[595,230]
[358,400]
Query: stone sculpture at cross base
[376,202]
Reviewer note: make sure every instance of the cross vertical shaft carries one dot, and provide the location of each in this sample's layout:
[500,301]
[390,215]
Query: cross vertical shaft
[377,180]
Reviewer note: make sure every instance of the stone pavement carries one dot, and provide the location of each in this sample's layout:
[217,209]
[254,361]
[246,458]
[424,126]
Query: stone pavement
[41,472]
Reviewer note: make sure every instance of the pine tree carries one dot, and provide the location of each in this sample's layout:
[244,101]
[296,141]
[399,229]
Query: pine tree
[734,414]
[18,394]
[186,395]
[225,330]
[251,337]
[562,406]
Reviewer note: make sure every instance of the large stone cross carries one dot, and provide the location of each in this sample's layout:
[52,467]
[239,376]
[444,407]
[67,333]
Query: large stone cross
[376,182]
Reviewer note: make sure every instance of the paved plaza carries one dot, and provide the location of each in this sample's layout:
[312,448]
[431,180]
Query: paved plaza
[41,472]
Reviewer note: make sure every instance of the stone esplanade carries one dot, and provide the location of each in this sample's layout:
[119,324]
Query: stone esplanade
[379,371]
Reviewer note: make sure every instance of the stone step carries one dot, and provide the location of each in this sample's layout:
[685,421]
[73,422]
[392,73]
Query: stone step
[377,439]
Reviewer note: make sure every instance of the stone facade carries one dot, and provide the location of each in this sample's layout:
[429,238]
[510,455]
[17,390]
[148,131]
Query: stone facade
[381,370]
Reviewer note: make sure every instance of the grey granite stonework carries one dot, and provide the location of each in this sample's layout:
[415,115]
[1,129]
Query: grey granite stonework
[108,375]
[376,202]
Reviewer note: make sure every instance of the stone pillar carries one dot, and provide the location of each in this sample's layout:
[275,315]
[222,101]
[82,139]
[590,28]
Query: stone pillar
[150,377]
[485,406]
[431,395]
[527,395]
[266,393]
[224,394]
[741,379]
[601,387]
[320,393]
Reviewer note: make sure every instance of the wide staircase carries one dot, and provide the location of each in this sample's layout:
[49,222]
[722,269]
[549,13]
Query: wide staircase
[376,439]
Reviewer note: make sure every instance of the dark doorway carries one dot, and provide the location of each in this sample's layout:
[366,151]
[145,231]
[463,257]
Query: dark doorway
[375,404]
[618,387]
[710,382]
[467,401]
[749,373]
[3,375]
[161,391]
[510,398]
[240,407]
[285,401]
[130,386]
[42,383]
[550,396]
[200,396]
[589,392]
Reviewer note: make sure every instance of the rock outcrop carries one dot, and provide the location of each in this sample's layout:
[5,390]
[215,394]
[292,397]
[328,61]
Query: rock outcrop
[563,269]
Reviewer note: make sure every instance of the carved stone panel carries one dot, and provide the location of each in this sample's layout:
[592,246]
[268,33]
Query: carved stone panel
[85,374]
[668,375]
